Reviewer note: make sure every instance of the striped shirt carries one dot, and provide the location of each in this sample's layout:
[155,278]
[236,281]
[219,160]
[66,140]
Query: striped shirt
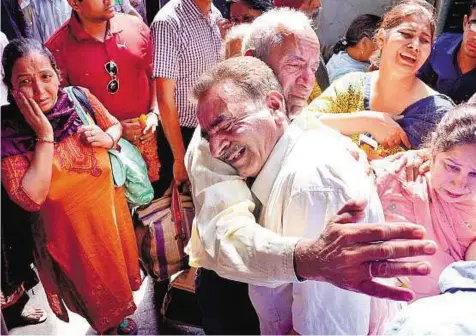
[44,17]
[186,43]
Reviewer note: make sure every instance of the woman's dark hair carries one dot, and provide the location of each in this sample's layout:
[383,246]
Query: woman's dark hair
[363,25]
[18,48]
[261,5]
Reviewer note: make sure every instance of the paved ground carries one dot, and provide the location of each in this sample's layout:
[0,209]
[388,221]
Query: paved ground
[146,316]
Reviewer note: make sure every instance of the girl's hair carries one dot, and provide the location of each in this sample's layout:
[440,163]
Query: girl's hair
[363,25]
[456,128]
[18,48]
[396,15]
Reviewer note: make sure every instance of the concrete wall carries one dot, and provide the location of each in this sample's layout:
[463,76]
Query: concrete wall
[338,14]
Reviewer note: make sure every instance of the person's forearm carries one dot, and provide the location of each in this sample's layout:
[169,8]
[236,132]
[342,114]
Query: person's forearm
[238,248]
[170,123]
[115,131]
[37,179]
[349,123]
[153,105]
[226,237]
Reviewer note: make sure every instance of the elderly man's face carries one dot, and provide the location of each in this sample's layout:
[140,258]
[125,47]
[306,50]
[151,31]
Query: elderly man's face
[241,132]
[295,62]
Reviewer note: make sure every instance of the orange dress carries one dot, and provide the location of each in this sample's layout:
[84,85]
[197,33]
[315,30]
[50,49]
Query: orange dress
[86,252]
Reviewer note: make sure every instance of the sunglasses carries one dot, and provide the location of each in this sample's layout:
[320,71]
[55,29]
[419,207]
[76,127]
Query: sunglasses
[111,69]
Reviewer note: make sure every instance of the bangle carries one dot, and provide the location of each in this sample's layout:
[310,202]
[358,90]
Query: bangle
[113,142]
[45,140]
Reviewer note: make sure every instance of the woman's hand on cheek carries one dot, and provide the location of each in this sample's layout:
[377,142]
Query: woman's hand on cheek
[33,116]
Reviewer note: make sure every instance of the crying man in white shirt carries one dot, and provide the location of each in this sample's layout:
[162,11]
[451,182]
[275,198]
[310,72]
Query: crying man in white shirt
[301,178]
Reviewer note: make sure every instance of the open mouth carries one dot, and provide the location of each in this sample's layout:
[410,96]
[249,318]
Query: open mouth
[235,155]
[409,58]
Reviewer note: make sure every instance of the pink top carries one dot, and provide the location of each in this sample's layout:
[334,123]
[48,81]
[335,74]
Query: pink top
[451,225]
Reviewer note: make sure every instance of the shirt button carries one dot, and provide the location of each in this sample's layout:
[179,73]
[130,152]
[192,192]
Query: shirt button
[393,207]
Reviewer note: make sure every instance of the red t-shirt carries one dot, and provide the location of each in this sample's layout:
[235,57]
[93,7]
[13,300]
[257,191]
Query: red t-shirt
[82,58]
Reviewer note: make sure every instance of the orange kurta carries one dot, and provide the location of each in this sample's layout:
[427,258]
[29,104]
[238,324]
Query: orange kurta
[86,252]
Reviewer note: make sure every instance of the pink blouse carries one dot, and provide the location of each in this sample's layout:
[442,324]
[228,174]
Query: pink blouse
[451,225]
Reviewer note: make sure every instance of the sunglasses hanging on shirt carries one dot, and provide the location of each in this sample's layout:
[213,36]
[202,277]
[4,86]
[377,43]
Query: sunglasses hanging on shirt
[112,70]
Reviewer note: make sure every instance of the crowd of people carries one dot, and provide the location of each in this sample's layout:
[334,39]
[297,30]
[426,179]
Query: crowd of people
[330,183]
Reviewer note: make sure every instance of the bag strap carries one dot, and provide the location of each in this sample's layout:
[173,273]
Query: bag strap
[83,100]
[178,220]
[77,106]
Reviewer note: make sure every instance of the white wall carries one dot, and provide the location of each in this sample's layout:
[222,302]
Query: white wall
[338,14]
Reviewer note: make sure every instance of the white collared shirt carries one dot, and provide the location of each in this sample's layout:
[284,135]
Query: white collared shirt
[226,237]
[307,178]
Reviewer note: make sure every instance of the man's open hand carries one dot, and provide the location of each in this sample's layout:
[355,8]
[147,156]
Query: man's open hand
[350,255]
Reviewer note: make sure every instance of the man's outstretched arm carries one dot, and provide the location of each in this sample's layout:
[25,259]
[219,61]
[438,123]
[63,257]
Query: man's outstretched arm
[227,239]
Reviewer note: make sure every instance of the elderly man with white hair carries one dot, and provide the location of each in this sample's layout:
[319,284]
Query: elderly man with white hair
[228,239]
[285,40]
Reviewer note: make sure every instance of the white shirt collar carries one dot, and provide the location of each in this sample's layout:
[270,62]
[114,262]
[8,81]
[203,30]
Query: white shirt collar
[264,182]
